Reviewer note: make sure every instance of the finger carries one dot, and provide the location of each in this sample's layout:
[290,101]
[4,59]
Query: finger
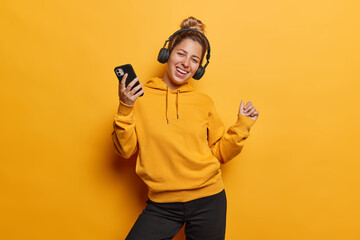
[138,94]
[241,106]
[247,106]
[135,89]
[123,80]
[256,113]
[131,84]
[251,112]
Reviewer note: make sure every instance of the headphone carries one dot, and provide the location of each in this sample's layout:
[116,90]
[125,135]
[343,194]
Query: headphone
[164,53]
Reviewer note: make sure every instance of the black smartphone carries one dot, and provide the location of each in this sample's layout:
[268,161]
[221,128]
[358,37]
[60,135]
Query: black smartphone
[127,68]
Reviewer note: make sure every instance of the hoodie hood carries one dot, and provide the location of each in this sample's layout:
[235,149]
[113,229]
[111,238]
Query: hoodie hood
[157,83]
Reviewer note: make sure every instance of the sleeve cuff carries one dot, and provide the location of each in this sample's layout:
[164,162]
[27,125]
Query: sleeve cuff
[124,109]
[244,123]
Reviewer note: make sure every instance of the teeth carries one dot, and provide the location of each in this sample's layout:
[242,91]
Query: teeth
[183,72]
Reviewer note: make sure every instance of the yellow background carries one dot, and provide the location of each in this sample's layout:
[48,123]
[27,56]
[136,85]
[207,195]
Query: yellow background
[297,61]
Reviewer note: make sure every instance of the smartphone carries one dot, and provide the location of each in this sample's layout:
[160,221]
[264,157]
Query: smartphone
[127,68]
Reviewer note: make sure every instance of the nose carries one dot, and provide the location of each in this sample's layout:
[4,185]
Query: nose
[186,62]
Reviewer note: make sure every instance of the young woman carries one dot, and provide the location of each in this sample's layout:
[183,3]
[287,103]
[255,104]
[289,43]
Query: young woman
[181,142]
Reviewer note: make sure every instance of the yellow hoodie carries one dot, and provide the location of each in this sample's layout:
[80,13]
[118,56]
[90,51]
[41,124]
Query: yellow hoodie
[181,141]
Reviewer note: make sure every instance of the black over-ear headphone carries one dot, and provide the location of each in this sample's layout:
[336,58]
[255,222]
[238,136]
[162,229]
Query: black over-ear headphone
[164,53]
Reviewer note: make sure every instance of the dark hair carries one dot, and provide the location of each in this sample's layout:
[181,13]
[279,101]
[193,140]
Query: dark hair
[194,23]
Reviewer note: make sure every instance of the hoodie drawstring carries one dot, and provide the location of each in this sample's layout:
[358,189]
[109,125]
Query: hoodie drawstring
[167,104]
[167,100]
[177,103]
[160,86]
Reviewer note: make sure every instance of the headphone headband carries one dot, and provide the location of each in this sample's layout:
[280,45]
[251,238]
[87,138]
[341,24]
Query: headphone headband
[164,53]
[192,30]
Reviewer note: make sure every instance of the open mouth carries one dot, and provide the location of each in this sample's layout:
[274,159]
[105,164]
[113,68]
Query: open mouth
[181,72]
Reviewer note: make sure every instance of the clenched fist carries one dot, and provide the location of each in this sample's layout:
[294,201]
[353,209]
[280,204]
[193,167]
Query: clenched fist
[249,110]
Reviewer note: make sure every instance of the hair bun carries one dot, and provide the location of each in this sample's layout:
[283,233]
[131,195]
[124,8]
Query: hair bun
[194,23]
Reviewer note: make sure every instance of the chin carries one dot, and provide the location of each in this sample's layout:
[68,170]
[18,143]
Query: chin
[180,80]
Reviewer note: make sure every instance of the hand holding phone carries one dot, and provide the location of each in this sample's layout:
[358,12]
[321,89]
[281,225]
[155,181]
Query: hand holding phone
[129,86]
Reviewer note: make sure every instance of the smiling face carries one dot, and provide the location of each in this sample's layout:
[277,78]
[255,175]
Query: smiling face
[183,62]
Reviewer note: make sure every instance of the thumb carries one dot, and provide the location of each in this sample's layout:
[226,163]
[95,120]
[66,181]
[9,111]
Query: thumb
[241,107]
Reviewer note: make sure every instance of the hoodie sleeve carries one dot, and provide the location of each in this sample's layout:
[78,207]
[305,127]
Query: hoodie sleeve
[124,135]
[226,145]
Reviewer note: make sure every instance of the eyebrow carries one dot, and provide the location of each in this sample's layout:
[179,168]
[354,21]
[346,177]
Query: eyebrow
[187,52]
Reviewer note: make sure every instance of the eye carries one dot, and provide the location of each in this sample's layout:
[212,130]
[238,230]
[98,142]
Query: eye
[180,54]
[195,60]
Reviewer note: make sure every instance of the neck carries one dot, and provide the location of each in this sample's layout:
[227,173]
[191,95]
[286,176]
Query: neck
[166,79]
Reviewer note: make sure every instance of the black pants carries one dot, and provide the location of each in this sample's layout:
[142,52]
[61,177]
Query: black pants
[204,218]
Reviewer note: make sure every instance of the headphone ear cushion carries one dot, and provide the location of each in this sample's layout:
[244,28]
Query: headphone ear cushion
[163,56]
[199,73]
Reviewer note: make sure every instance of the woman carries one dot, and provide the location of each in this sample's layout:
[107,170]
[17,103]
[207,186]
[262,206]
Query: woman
[181,142]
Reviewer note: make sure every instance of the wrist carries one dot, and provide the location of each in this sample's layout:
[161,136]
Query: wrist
[126,103]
